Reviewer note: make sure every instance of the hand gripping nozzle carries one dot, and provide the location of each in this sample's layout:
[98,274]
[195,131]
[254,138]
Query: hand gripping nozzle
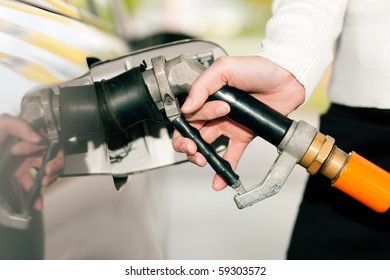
[296,142]
[168,79]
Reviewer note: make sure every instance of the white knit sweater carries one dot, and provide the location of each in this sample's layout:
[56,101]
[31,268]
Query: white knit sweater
[305,36]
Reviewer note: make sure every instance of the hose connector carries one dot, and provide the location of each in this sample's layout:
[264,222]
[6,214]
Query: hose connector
[350,173]
[324,156]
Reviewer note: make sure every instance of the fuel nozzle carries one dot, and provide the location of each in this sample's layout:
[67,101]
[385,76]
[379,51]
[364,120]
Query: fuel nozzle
[296,142]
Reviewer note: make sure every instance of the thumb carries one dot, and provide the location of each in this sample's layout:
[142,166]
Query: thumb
[209,82]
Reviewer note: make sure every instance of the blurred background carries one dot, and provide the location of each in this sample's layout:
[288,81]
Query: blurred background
[237,25]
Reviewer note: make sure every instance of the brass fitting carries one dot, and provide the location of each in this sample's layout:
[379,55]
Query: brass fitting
[323,156]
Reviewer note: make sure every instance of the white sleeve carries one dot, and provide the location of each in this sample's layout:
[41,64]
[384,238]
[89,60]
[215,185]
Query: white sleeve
[300,37]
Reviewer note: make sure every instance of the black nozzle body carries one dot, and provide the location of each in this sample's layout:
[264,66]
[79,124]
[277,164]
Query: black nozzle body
[254,115]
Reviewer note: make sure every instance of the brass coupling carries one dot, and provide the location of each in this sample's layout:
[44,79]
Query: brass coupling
[324,156]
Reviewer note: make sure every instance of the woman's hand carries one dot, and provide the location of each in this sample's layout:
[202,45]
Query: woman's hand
[265,80]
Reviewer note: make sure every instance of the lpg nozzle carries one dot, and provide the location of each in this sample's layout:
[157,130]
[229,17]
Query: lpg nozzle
[297,142]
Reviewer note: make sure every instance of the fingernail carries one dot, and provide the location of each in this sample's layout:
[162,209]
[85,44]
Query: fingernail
[222,110]
[189,149]
[197,161]
[187,104]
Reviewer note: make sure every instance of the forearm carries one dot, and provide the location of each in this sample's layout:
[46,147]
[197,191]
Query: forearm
[300,37]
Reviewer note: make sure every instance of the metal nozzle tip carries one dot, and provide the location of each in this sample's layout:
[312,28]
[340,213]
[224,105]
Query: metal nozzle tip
[238,186]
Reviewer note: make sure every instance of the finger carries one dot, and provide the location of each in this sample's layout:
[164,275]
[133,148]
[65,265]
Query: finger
[211,132]
[211,110]
[218,183]
[56,165]
[47,180]
[233,153]
[17,127]
[25,148]
[38,204]
[53,169]
[209,82]
[197,159]
[185,145]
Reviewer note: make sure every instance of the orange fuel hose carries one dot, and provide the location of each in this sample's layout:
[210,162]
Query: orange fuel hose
[365,182]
